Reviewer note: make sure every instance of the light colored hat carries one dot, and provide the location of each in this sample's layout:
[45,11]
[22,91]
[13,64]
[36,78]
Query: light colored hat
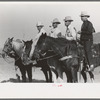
[39,24]
[84,14]
[56,21]
[68,18]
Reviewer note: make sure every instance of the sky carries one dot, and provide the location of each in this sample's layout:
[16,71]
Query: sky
[18,19]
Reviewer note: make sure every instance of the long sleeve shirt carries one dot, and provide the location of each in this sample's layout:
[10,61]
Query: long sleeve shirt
[42,31]
[70,33]
[55,33]
[86,30]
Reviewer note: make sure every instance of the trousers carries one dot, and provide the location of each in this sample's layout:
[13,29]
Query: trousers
[87,45]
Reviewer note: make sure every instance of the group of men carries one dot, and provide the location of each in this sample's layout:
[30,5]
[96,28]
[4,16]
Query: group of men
[86,34]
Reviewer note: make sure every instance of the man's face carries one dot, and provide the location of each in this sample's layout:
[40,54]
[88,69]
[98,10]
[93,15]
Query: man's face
[83,18]
[39,28]
[67,23]
[54,25]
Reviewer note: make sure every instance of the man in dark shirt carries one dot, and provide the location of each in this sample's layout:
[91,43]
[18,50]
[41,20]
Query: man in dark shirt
[86,38]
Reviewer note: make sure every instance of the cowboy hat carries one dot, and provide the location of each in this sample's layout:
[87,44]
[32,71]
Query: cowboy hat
[56,21]
[39,24]
[84,14]
[68,18]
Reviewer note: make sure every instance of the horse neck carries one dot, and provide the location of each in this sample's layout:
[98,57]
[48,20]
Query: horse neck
[54,46]
[18,48]
[28,48]
[60,49]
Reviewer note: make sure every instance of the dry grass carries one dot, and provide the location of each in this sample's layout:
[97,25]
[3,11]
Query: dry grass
[8,74]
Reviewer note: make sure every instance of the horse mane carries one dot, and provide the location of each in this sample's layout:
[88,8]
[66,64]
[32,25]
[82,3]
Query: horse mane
[60,45]
[62,42]
[28,45]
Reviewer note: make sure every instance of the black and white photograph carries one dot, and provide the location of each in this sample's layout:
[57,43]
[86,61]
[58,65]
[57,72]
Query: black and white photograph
[45,47]
[49,42]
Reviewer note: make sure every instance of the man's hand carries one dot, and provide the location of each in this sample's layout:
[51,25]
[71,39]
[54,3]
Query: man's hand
[79,32]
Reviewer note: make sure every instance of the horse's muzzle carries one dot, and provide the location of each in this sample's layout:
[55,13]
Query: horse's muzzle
[3,54]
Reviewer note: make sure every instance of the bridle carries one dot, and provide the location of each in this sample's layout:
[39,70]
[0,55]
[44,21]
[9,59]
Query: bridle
[12,51]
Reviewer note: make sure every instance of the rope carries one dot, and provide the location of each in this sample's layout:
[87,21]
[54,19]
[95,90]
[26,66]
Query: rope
[48,57]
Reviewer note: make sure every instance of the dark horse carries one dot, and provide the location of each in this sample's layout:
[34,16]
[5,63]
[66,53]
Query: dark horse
[40,63]
[63,48]
[10,49]
[96,61]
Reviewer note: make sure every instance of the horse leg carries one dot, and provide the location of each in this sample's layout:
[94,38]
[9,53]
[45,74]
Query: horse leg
[17,74]
[54,75]
[50,75]
[83,72]
[29,73]
[23,72]
[74,74]
[60,75]
[46,74]
[69,76]
[91,76]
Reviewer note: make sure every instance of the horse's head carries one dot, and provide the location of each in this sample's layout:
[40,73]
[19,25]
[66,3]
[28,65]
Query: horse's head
[7,47]
[28,45]
[41,46]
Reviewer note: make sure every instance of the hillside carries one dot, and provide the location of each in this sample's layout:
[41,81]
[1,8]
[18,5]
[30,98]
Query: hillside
[0,52]
[96,37]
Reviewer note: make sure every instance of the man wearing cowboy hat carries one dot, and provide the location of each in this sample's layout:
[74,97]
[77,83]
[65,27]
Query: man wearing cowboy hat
[70,30]
[86,38]
[41,30]
[27,60]
[55,31]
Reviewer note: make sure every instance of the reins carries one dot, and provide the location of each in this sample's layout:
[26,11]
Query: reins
[47,57]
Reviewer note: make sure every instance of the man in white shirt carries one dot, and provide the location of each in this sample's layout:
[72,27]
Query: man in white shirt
[40,31]
[70,30]
[27,60]
[55,31]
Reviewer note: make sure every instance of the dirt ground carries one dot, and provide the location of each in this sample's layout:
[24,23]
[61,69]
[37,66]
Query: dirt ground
[8,74]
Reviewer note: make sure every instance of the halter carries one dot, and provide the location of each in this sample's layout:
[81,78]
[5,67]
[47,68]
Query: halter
[12,49]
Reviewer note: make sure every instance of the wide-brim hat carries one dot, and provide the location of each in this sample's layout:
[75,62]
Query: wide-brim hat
[56,21]
[39,24]
[84,14]
[68,18]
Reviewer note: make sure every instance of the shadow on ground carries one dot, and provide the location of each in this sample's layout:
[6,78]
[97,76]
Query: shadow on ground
[12,80]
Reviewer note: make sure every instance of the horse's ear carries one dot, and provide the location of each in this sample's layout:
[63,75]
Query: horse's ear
[23,41]
[45,34]
[42,34]
[11,38]
[31,41]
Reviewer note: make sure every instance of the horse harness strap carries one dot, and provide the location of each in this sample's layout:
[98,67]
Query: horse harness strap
[68,57]
[48,57]
[61,59]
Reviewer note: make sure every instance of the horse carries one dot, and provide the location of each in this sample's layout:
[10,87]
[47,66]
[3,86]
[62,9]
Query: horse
[64,48]
[96,61]
[9,50]
[40,63]
[17,48]
[83,64]
[46,61]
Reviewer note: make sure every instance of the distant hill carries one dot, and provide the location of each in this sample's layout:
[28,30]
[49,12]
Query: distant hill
[96,37]
[0,50]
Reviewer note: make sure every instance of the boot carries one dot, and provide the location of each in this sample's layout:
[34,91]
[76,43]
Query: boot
[91,68]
